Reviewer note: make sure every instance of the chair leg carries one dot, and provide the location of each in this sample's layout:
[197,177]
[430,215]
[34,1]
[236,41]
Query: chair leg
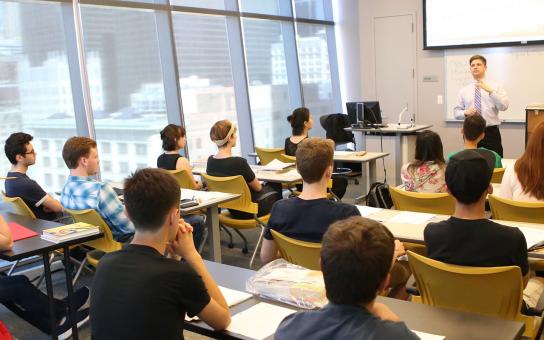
[245,250]
[204,240]
[79,269]
[10,271]
[231,244]
[256,247]
[42,275]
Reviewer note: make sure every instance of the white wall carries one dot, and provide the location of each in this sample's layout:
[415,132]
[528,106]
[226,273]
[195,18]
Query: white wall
[427,63]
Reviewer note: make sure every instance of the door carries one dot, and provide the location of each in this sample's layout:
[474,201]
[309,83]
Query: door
[395,56]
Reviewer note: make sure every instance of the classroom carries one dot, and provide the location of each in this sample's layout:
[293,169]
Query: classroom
[218,169]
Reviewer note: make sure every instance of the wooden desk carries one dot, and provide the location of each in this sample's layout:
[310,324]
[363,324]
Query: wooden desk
[37,246]
[449,323]
[414,232]
[209,200]
[404,147]
[289,176]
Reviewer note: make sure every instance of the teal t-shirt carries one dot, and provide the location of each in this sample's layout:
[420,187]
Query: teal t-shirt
[498,159]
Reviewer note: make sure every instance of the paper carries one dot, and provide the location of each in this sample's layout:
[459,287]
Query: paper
[233,297]
[349,153]
[276,165]
[367,211]
[201,196]
[428,336]
[409,217]
[532,235]
[259,321]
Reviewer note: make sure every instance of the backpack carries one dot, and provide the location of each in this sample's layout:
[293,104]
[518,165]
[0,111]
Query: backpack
[378,196]
[334,125]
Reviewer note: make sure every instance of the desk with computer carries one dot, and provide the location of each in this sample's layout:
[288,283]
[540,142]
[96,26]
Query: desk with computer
[366,119]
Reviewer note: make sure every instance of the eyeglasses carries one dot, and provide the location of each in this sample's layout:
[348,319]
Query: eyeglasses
[31,152]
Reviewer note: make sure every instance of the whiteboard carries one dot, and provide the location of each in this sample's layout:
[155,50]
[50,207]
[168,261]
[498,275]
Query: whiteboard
[520,70]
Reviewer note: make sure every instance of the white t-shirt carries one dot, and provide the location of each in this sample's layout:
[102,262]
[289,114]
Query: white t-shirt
[511,187]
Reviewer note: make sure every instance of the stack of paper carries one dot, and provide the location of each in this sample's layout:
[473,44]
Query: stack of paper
[233,297]
[367,211]
[409,217]
[200,196]
[349,153]
[533,237]
[276,165]
[259,321]
[69,232]
[428,336]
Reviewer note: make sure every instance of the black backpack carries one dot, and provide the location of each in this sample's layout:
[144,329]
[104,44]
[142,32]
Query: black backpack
[334,125]
[378,196]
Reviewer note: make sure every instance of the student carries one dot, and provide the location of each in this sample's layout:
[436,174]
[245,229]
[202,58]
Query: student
[357,255]
[82,191]
[473,132]
[138,293]
[301,122]
[309,215]
[173,140]
[224,164]
[20,296]
[426,172]
[467,238]
[523,181]
[21,154]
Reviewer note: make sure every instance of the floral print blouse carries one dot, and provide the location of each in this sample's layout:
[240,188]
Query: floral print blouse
[428,177]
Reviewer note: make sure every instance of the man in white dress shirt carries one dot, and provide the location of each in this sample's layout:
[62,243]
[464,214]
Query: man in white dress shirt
[483,98]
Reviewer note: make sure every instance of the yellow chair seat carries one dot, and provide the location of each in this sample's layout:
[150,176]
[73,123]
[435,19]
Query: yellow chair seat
[497,175]
[510,210]
[267,155]
[94,256]
[432,203]
[226,219]
[302,253]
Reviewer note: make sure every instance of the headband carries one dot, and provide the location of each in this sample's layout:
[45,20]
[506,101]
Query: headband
[227,137]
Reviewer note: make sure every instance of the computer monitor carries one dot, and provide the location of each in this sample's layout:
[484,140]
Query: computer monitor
[351,108]
[372,113]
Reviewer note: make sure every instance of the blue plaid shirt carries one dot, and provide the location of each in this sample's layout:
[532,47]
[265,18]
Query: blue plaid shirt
[81,193]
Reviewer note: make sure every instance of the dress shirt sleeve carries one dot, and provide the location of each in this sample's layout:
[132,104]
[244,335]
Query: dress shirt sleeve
[111,207]
[500,98]
[460,106]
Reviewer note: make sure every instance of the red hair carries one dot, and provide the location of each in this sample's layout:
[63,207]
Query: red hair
[530,166]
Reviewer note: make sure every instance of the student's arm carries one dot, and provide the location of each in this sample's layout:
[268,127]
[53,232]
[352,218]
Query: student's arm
[216,313]
[183,164]
[6,242]
[255,185]
[269,252]
[52,205]
[383,312]
[249,176]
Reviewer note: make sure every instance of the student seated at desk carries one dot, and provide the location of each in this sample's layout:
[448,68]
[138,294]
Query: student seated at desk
[20,296]
[308,216]
[224,164]
[426,172]
[138,293]
[21,154]
[357,255]
[301,122]
[473,132]
[467,238]
[83,191]
[173,140]
[524,181]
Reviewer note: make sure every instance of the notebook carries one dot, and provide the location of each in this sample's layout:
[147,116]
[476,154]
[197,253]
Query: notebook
[18,232]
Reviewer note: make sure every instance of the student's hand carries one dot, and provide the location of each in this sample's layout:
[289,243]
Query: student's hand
[383,312]
[183,244]
[470,111]
[399,249]
[484,86]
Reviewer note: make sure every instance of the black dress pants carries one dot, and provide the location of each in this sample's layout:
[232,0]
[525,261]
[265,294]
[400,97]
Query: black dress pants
[492,139]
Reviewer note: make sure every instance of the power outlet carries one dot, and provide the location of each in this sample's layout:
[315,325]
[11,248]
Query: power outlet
[439,100]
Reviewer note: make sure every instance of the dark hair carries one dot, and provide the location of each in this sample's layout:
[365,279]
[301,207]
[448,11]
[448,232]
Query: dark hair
[313,156]
[75,148]
[16,145]
[356,256]
[170,135]
[473,127]
[149,195]
[428,149]
[476,57]
[297,120]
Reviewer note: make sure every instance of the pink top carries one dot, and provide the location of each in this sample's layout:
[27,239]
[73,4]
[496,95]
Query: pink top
[428,177]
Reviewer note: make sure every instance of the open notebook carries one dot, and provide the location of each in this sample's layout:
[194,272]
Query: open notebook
[233,297]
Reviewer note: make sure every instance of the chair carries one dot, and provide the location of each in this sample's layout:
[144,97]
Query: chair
[267,155]
[184,179]
[433,203]
[302,253]
[497,175]
[491,291]
[510,210]
[287,159]
[19,206]
[237,185]
[102,245]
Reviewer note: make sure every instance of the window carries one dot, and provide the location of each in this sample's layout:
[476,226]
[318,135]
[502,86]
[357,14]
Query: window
[35,92]
[46,162]
[205,77]
[125,78]
[268,86]
[312,9]
[141,149]
[105,148]
[106,166]
[272,7]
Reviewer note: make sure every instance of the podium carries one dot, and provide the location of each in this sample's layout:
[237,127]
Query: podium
[534,115]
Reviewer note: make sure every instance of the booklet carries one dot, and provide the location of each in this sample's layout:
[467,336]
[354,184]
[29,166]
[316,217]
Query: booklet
[69,232]
[276,165]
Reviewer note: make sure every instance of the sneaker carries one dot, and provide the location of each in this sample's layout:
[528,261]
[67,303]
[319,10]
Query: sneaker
[64,330]
[81,297]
